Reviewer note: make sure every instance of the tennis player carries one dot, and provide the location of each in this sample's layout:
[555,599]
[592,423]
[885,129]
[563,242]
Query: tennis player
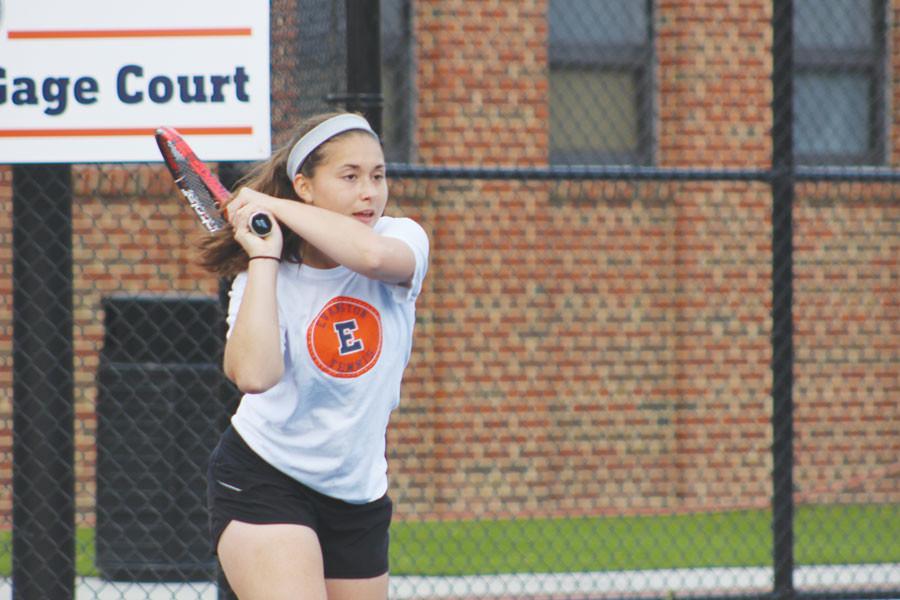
[320,325]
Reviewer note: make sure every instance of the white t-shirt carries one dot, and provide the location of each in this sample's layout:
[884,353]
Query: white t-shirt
[346,341]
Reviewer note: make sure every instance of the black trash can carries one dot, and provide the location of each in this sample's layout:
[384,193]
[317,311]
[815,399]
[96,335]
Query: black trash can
[160,409]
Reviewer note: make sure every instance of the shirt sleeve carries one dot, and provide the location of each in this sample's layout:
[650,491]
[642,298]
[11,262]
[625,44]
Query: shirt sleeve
[411,233]
[236,295]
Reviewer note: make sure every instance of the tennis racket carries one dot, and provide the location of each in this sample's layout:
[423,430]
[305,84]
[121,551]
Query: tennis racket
[204,192]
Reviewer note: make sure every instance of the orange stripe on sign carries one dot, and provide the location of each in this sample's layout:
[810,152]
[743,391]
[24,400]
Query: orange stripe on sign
[121,131]
[129,33]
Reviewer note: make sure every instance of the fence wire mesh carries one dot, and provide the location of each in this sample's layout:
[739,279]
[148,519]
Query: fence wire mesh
[658,349]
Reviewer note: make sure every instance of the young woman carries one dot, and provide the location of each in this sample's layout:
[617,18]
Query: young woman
[320,320]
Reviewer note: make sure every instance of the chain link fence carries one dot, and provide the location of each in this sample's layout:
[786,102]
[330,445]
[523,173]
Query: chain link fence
[658,349]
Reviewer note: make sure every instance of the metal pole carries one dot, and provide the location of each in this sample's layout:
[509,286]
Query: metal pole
[783,175]
[364,60]
[43,384]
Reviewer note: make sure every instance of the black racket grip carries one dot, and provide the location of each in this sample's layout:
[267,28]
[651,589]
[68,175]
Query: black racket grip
[260,224]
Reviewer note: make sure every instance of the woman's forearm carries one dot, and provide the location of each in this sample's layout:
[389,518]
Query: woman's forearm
[349,242]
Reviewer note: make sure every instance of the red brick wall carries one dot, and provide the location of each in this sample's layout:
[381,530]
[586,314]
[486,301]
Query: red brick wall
[714,64]
[605,348]
[847,342]
[582,348]
[482,84]
[586,349]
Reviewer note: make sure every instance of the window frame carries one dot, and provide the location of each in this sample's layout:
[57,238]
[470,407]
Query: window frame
[639,61]
[397,50]
[871,63]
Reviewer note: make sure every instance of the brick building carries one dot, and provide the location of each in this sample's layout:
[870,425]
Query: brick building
[583,348]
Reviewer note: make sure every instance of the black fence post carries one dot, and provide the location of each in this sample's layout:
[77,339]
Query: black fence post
[783,177]
[364,60]
[43,384]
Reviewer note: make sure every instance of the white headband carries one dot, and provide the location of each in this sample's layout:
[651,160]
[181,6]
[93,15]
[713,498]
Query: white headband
[320,134]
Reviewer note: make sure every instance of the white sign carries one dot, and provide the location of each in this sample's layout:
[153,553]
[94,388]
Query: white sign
[91,80]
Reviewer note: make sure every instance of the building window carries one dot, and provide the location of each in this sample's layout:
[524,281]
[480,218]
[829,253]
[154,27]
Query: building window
[839,81]
[396,79]
[600,96]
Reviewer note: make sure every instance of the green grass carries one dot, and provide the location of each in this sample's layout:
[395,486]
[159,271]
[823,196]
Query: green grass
[84,553]
[823,534]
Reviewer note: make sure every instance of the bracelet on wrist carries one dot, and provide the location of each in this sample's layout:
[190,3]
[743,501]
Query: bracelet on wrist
[269,257]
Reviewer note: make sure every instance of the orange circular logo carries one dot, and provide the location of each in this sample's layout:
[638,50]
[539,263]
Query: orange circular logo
[344,339]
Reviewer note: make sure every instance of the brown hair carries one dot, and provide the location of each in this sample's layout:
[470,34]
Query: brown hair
[220,253]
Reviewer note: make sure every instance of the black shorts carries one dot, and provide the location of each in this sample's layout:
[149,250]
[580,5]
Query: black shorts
[242,486]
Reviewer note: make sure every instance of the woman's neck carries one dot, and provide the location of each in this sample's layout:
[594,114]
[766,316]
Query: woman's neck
[314,258]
